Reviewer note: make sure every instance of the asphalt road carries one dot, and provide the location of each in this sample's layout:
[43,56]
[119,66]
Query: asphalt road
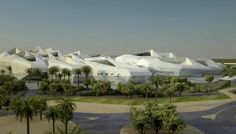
[102,123]
[224,122]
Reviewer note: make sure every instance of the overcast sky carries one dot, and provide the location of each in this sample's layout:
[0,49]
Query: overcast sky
[194,28]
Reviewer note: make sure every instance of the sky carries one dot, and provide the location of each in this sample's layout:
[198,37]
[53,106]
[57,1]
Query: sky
[193,28]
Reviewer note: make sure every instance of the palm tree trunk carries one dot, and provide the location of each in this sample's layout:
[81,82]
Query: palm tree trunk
[41,115]
[146,95]
[53,126]
[78,80]
[66,124]
[28,127]
[66,127]
[156,93]
[156,131]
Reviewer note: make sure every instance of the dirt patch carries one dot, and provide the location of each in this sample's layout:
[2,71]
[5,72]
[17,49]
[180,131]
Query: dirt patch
[128,129]
[9,123]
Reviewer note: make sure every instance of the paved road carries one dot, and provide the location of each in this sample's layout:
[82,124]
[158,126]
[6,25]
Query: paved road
[224,122]
[102,123]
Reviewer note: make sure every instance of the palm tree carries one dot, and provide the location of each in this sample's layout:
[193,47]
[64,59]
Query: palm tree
[60,76]
[44,86]
[66,107]
[67,88]
[38,74]
[2,72]
[209,79]
[41,106]
[155,80]
[86,70]
[53,71]
[64,72]
[9,68]
[52,113]
[78,72]
[29,71]
[53,87]
[68,73]
[169,90]
[24,108]
[147,89]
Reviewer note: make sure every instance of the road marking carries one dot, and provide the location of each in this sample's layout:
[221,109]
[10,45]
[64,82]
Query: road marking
[225,109]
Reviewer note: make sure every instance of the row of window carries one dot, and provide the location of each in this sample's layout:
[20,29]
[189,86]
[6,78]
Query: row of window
[107,74]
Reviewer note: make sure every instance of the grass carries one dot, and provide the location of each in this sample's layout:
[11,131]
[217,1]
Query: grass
[122,100]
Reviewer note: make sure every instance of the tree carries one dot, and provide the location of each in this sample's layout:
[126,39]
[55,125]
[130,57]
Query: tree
[44,87]
[29,71]
[86,70]
[9,68]
[24,108]
[53,71]
[100,87]
[2,72]
[155,80]
[37,73]
[156,115]
[229,71]
[64,72]
[139,120]
[209,79]
[144,89]
[60,75]
[54,87]
[68,74]
[53,114]
[66,107]
[41,107]
[175,124]
[78,72]
[14,86]
[169,90]
[127,89]
[67,88]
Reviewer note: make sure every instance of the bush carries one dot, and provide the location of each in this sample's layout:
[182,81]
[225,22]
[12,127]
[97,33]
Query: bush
[156,117]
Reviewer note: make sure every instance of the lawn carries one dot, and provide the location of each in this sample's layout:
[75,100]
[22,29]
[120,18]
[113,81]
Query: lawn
[138,100]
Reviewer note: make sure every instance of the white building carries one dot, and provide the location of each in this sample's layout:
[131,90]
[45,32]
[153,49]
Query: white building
[169,64]
[106,68]
[138,67]
[21,60]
